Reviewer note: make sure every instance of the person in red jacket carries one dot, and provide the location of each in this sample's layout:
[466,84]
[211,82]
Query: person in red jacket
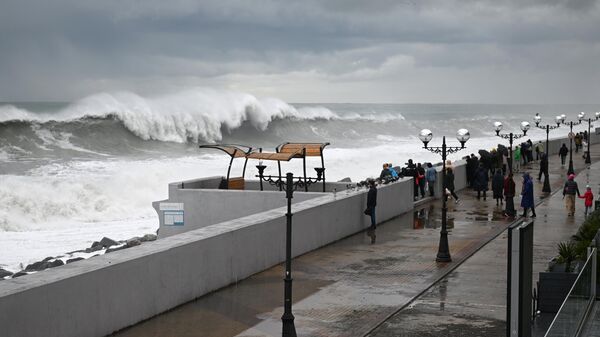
[589,199]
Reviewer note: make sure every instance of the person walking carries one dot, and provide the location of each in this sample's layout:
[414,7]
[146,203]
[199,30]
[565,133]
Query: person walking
[449,184]
[421,179]
[498,186]
[431,176]
[569,191]
[527,201]
[517,159]
[372,203]
[481,181]
[509,194]
[562,153]
[588,197]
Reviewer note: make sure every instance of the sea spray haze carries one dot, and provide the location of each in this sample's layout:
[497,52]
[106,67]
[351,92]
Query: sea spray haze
[71,173]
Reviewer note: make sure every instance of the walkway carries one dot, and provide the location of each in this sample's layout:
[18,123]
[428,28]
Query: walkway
[349,287]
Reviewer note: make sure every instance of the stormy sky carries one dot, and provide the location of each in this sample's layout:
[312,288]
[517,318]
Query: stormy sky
[447,51]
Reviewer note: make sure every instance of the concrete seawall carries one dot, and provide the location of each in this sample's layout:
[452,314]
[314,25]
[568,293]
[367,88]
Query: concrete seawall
[97,296]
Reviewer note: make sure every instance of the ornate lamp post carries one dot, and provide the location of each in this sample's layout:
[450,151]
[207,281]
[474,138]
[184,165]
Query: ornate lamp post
[571,170]
[588,159]
[289,329]
[548,127]
[462,136]
[511,136]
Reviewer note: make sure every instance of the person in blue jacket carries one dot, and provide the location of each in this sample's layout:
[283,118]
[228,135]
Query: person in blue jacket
[431,175]
[527,201]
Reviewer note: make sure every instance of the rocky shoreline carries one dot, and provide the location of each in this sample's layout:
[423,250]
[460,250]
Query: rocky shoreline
[104,246]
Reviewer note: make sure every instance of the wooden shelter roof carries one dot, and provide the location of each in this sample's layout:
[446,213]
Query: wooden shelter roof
[233,150]
[312,149]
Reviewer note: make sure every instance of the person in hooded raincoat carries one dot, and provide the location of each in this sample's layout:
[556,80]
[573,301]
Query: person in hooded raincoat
[481,181]
[498,186]
[527,201]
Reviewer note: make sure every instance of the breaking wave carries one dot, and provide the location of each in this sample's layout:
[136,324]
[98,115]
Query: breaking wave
[189,116]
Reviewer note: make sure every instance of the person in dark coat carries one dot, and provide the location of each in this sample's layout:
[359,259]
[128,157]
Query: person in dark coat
[498,186]
[421,181]
[543,166]
[372,203]
[527,201]
[562,153]
[481,181]
[509,194]
[449,184]
[472,163]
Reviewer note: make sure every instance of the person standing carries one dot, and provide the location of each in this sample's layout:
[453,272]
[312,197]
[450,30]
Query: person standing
[589,199]
[498,186]
[539,150]
[527,201]
[577,142]
[372,203]
[481,181]
[529,151]
[471,169]
[509,194]
[543,166]
[421,179]
[517,159]
[431,176]
[449,184]
[562,153]
[569,192]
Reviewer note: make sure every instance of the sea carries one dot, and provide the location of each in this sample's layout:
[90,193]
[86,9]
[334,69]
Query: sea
[74,172]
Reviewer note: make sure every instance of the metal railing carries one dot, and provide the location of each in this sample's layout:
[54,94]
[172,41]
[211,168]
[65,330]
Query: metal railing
[572,314]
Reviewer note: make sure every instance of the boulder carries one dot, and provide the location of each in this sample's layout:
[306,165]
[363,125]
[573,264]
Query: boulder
[95,244]
[106,242]
[345,180]
[94,248]
[48,259]
[19,274]
[133,242]
[74,259]
[148,237]
[36,266]
[55,263]
[4,273]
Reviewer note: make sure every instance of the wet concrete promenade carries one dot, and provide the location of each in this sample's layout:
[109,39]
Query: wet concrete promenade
[392,287]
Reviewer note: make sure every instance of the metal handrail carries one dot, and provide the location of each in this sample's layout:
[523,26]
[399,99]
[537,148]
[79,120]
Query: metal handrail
[590,260]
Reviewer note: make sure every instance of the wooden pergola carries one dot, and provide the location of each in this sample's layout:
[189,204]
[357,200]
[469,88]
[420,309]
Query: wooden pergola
[283,152]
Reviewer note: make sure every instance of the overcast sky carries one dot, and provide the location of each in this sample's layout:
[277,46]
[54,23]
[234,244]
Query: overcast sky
[447,51]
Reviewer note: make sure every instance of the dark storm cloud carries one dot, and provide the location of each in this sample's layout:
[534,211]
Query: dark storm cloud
[330,50]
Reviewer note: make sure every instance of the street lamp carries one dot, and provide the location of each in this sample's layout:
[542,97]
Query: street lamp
[588,159]
[548,127]
[525,126]
[580,116]
[462,136]
[288,329]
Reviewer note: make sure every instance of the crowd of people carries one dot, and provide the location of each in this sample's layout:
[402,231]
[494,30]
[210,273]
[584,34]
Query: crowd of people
[488,169]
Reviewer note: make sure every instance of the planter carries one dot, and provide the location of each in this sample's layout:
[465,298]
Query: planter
[553,288]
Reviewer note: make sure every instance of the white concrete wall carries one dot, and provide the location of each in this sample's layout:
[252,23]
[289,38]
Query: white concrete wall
[100,295]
